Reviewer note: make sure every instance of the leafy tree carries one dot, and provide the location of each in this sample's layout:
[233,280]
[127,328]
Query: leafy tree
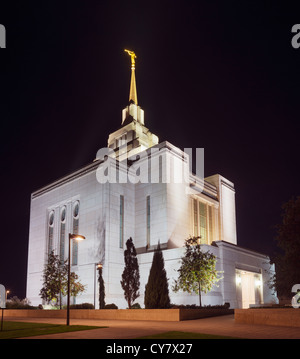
[287,263]
[52,279]
[197,272]
[156,290]
[75,286]
[56,280]
[131,277]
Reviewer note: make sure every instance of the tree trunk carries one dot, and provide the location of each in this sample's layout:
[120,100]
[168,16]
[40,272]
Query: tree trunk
[200,303]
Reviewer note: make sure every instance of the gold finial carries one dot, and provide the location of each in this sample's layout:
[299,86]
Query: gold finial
[133,57]
[132,92]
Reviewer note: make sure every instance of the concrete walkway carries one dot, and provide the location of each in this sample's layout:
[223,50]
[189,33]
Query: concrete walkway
[117,329]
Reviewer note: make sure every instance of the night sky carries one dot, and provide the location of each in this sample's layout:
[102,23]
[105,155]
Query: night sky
[218,75]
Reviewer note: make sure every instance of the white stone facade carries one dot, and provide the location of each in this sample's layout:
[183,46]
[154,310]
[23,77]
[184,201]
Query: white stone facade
[171,218]
[153,197]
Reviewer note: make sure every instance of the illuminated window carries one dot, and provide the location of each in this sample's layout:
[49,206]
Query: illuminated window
[62,235]
[210,224]
[203,224]
[121,239]
[148,220]
[203,221]
[196,233]
[76,210]
[75,231]
[50,231]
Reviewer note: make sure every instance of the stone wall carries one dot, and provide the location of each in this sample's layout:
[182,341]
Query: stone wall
[170,315]
[287,317]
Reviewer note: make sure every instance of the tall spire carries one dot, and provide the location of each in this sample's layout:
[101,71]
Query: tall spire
[132,93]
[133,136]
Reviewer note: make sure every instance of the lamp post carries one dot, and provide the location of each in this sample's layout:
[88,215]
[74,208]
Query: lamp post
[7,292]
[76,237]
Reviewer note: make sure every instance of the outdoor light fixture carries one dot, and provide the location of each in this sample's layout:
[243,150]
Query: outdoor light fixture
[238,279]
[76,237]
[258,282]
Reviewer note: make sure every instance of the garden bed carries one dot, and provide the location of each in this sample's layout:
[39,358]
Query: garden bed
[173,315]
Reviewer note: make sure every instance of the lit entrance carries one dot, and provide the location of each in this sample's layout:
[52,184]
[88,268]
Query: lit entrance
[248,288]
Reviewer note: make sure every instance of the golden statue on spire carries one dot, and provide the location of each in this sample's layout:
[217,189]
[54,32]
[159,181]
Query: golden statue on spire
[133,57]
[132,92]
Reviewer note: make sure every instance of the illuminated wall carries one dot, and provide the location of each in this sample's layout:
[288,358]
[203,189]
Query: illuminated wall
[165,211]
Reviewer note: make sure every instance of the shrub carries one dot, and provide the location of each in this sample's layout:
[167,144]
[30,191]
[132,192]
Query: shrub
[194,306]
[111,306]
[136,306]
[227,305]
[16,303]
[82,306]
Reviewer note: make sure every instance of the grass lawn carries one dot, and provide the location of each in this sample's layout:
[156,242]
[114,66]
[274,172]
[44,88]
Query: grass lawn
[186,335]
[25,329]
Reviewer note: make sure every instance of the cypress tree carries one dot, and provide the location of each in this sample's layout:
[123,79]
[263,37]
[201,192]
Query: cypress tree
[101,289]
[131,277]
[156,290]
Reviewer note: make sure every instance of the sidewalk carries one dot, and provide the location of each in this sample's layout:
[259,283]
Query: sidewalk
[118,329]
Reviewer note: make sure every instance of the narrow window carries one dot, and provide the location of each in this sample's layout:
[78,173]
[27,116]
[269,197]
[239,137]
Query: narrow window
[121,141]
[196,233]
[75,231]
[121,239]
[148,221]
[62,235]
[203,224]
[50,231]
[210,223]
[160,168]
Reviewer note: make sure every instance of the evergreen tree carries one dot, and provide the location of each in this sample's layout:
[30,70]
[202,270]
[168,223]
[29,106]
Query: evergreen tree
[156,290]
[101,289]
[287,263]
[131,277]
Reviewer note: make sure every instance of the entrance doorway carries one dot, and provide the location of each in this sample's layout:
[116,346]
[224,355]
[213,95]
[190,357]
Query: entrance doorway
[248,288]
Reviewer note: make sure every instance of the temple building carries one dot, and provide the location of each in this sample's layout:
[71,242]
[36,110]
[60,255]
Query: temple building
[139,187]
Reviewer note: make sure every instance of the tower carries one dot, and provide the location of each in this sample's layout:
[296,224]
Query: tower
[133,136]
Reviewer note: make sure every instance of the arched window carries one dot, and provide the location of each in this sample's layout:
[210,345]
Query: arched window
[75,215]
[50,231]
[62,238]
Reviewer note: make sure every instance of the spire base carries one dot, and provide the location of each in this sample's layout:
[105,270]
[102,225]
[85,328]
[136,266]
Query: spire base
[134,111]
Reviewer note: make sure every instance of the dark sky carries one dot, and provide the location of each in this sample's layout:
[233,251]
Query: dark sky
[215,74]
